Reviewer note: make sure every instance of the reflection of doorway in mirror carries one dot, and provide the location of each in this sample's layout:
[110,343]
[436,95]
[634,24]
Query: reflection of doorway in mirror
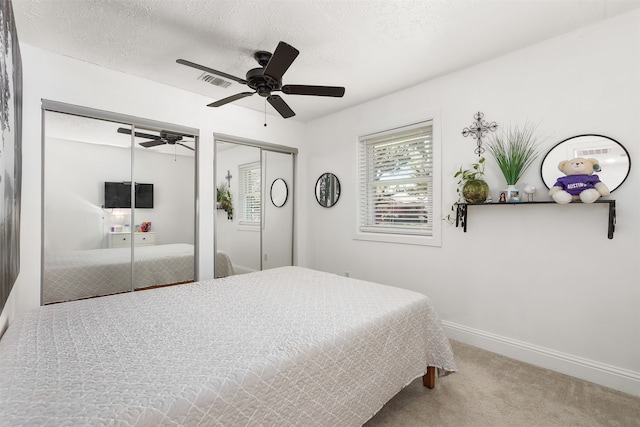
[262,237]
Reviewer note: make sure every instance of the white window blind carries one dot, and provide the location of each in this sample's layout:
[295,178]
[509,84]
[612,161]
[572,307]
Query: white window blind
[249,192]
[396,181]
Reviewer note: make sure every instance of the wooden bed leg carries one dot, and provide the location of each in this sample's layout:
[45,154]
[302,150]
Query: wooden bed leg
[429,379]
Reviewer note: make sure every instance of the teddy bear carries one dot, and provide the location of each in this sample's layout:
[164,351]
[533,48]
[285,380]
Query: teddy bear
[580,182]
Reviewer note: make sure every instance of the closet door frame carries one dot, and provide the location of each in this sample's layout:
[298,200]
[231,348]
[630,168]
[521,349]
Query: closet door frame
[134,122]
[263,146]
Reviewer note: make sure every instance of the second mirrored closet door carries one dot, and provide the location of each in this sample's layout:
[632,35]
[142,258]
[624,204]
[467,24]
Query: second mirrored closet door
[118,204]
[254,202]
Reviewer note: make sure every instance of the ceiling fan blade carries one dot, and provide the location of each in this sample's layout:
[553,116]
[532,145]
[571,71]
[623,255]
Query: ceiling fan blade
[148,144]
[185,146]
[211,70]
[281,60]
[229,99]
[335,91]
[138,134]
[280,106]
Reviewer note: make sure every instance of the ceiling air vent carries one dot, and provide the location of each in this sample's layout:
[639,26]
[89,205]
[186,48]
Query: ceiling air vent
[592,152]
[214,80]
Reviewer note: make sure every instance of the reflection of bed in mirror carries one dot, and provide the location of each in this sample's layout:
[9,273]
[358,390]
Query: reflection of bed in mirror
[83,274]
[225,267]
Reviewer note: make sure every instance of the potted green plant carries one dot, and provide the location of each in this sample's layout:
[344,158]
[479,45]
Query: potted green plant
[471,187]
[514,150]
[223,200]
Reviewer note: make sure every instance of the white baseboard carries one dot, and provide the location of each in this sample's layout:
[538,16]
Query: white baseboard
[606,375]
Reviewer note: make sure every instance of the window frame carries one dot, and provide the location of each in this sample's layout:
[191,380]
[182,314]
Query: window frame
[388,236]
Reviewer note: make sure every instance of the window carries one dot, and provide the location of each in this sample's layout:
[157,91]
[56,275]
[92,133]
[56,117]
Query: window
[397,194]
[249,193]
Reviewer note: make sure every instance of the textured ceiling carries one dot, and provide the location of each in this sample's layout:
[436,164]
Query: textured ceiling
[373,48]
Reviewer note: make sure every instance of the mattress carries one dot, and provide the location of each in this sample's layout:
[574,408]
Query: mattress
[83,274]
[283,347]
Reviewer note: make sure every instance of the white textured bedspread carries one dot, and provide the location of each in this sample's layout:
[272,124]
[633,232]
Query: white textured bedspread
[82,274]
[282,347]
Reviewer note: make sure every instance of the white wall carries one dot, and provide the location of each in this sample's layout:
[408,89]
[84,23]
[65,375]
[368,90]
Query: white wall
[540,283]
[50,76]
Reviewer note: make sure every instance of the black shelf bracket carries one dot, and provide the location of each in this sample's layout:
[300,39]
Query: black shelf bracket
[462,211]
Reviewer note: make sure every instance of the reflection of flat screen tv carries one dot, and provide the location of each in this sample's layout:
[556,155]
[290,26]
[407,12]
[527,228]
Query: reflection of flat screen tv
[118,195]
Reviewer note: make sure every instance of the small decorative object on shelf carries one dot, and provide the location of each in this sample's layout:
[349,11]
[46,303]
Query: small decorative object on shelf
[470,183]
[530,190]
[471,187]
[514,195]
[579,182]
[478,130]
[475,191]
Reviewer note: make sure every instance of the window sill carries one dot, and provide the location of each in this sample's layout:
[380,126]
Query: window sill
[248,226]
[399,238]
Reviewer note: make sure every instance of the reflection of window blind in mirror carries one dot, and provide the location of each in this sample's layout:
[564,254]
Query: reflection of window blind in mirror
[249,197]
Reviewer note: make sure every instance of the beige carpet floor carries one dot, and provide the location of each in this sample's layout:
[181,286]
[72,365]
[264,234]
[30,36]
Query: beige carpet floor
[493,390]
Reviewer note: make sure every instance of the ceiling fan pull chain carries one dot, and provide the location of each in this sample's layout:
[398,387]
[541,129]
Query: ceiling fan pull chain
[265,112]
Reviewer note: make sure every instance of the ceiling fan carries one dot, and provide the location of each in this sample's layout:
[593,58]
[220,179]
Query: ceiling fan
[268,79]
[163,138]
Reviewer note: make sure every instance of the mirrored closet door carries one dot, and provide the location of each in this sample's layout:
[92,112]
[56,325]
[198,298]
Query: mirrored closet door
[119,203]
[277,209]
[254,202]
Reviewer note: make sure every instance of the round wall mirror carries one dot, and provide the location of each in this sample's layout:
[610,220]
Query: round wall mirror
[613,158]
[279,192]
[327,190]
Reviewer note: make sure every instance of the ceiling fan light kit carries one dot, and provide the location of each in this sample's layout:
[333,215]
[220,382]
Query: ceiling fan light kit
[163,138]
[268,79]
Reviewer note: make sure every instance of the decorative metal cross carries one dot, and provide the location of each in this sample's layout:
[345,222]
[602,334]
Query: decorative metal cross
[478,130]
[228,178]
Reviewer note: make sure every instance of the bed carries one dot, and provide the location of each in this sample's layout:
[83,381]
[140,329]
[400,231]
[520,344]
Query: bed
[283,347]
[82,274]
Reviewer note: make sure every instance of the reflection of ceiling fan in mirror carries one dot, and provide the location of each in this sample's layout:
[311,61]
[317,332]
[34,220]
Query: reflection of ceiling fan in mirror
[162,139]
[268,79]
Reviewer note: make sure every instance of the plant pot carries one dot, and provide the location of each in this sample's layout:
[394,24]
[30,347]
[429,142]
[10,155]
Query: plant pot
[475,191]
